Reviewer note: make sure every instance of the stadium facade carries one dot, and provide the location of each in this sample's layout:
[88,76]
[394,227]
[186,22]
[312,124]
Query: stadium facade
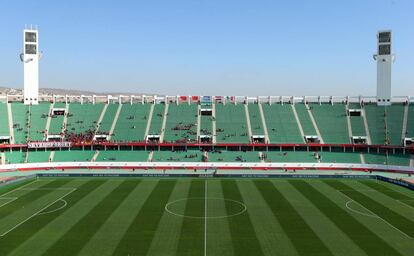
[207,132]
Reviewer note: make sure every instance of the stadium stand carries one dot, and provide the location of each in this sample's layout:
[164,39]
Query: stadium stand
[305,120]
[108,119]
[73,156]
[177,156]
[357,122]
[338,157]
[290,157]
[38,118]
[56,123]
[206,125]
[376,123]
[38,156]
[255,119]
[4,124]
[181,123]
[410,122]
[123,156]
[331,121]
[233,156]
[20,122]
[385,123]
[156,120]
[132,122]
[231,124]
[281,124]
[403,160]
[82,120]
[394,117]
[15,157]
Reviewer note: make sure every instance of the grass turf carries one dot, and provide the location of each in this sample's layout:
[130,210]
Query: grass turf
[115,216]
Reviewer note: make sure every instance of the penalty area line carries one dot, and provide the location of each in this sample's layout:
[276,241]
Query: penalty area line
[36,213]
[11,191]
[375,215]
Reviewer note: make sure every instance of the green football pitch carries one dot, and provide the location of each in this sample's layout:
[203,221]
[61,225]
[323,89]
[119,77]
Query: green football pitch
[196,216]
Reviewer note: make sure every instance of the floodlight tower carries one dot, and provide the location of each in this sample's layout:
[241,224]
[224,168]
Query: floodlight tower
[384,58]
[30,58]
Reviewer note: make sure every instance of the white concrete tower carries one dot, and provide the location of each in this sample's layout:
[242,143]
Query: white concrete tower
[384,58]
[30,58]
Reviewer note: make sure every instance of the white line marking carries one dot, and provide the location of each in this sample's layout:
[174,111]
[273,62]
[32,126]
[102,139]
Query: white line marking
[376,215]
[205,217]
[19,188]
[8,198]
[36,213]
[46,188]
[167,208]
[57,209]
[356,211]
[402,202]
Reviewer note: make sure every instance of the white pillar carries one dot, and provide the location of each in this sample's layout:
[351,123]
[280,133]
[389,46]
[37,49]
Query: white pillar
[384,58]
[30,58]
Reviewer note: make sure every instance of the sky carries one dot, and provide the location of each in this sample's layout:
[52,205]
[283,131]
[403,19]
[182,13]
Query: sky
[210,47]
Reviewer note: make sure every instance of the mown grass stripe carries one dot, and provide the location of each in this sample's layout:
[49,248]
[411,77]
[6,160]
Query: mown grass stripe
[367,240]
[191,241]
[302,236]
[27,198]
[9,187]
[14,239]
[85,228]
[390,192]
[395,219]
[138,237]
[243,236]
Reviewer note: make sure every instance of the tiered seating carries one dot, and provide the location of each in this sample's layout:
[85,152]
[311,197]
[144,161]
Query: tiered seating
[381,117]
[399,160]
[123,156]
[332,123]
[376,123]
[73,156]
[233,156]
[357,122]
[395,118]
[56,122]
[410,122]
[38,119]
[206,125]
[231,124]
[206,122]
[255,119]
[132,122]
[39,156]
[4,124]
[156,121]
[403,160]
[181,123]
[15,157]
[281,124]
[20,121]
[177,156]
[339,157]
[82,120]
[290,157]
[305,120]
[108,118]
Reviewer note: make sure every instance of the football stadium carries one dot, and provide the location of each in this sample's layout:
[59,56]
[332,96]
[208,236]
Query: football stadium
[206,174]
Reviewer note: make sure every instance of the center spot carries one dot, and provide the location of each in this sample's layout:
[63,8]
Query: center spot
[195,207]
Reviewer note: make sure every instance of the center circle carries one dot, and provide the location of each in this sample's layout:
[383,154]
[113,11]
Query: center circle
[205,208]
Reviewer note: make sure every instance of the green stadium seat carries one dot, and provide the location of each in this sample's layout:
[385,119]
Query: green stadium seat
[132,122]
